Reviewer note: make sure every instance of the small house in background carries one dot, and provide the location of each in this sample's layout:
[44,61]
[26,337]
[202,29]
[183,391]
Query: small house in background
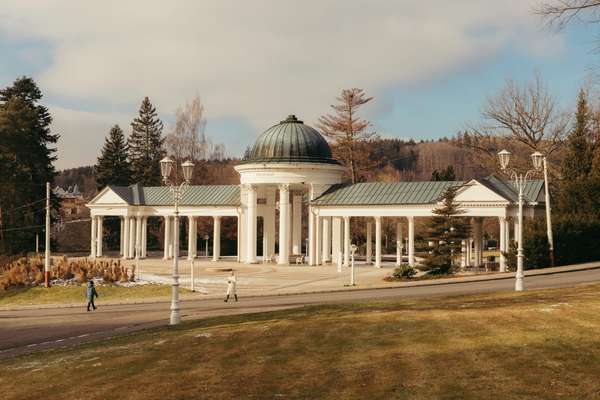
[72,202]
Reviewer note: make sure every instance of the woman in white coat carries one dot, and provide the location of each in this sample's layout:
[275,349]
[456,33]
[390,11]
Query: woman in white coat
[231,287]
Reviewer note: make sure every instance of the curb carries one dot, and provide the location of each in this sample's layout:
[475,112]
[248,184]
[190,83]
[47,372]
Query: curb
[424,283]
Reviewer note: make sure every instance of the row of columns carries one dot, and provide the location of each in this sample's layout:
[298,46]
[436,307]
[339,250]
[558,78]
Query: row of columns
[133,237]
[336,241]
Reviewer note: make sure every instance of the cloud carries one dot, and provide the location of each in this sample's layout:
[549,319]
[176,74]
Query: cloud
[260,60]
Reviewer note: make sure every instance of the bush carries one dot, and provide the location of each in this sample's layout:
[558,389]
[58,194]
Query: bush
[576,241]
[25,272]
[403,272]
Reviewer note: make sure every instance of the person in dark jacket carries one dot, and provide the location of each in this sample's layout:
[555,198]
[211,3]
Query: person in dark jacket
[91,293]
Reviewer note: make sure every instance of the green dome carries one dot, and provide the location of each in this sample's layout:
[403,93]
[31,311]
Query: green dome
[290,141]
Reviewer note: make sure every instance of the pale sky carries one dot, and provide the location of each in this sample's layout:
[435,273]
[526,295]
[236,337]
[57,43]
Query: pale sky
[429,65]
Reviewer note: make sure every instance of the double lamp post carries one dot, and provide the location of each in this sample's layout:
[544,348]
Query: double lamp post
[520,181]
[177,191]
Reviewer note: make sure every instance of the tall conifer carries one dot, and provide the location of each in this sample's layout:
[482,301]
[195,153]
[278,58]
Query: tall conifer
[113,166]
[26,155]
[146,146]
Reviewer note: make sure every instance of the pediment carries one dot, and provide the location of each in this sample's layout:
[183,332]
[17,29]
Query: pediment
[475,192]
[109,197]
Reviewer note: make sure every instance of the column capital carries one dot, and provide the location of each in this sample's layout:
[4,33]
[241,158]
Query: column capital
[377,218]
[346,218]
[283,187]
[216,217]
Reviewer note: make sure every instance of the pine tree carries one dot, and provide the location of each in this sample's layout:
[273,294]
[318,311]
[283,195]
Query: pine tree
[578,160]
[146,146]
[113,166]
[446,230]
[576,194]
[26,155]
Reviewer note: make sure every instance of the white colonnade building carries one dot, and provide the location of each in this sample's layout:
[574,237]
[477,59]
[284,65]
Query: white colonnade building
[292,192]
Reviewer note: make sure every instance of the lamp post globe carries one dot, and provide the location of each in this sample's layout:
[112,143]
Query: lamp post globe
[166,166]
[538,159]
[188,170]
[504,157]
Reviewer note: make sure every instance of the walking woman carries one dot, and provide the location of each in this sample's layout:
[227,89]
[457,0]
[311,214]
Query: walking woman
[91,293]
[231,287]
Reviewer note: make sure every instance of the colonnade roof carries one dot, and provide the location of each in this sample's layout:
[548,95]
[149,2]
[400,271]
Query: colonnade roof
[412,193]
[205,195]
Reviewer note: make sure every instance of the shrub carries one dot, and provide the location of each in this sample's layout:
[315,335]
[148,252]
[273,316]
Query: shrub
[403,272]
[576,241]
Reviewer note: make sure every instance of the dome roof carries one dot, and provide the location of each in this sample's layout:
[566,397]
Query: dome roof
[290,141]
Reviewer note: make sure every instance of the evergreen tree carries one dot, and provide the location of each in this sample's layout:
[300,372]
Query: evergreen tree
[26,157]
[146,146]
[113,166]
[578,159]
[576,194]
[446,230]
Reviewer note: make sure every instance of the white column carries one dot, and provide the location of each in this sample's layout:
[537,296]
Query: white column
[311,237]
[284,205]
[138,237]
[411,241]
[251,226]
[369,246]
[469,252]
[326,239]
[377,242]
[336,238]
[99,237]
[121,236]
[399,243]
[297,224]
[516,232]
[144,236]
[172,236]
[216,238]
[346,241]
[132,237]
[502,221]
[125,237]
[239,240]
[463,253]
[167,227]
[478,242]
[318,239]
[93,234]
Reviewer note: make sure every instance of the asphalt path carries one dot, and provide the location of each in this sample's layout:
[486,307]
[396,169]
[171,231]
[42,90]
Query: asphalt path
[29,330]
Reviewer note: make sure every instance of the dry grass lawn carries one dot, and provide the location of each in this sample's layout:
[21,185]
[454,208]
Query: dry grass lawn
[77,294]
[534,345]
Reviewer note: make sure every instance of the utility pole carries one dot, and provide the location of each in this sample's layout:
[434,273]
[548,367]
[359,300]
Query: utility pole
[47,259]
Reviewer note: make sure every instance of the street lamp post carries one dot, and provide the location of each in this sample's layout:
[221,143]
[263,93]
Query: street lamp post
[548,218]
[353,249]
[520,181]
[177,191]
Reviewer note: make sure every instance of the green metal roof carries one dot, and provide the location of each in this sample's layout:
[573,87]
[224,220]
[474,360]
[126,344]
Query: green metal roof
[388,193]
[407,193]
[206,195]
[290,141]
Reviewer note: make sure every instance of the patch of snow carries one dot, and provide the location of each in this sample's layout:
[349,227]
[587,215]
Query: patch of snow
[204,335]
[163,341]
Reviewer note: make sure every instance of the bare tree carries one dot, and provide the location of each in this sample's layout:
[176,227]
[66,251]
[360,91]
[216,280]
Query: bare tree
[561,12]
[346,130]
[526,113]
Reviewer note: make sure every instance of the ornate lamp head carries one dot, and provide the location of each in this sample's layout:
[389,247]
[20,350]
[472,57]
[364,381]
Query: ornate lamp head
[538,159]
[504,157]
[166,167]
[188,170]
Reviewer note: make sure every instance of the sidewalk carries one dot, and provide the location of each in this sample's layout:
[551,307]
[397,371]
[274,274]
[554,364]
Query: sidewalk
[269,280]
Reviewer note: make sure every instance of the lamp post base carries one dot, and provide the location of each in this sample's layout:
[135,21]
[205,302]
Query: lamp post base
[519,283]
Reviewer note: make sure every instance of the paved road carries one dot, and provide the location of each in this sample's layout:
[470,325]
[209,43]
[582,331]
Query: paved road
[25,331]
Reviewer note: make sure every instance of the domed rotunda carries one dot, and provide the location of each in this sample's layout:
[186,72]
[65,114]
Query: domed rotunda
[289,163]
